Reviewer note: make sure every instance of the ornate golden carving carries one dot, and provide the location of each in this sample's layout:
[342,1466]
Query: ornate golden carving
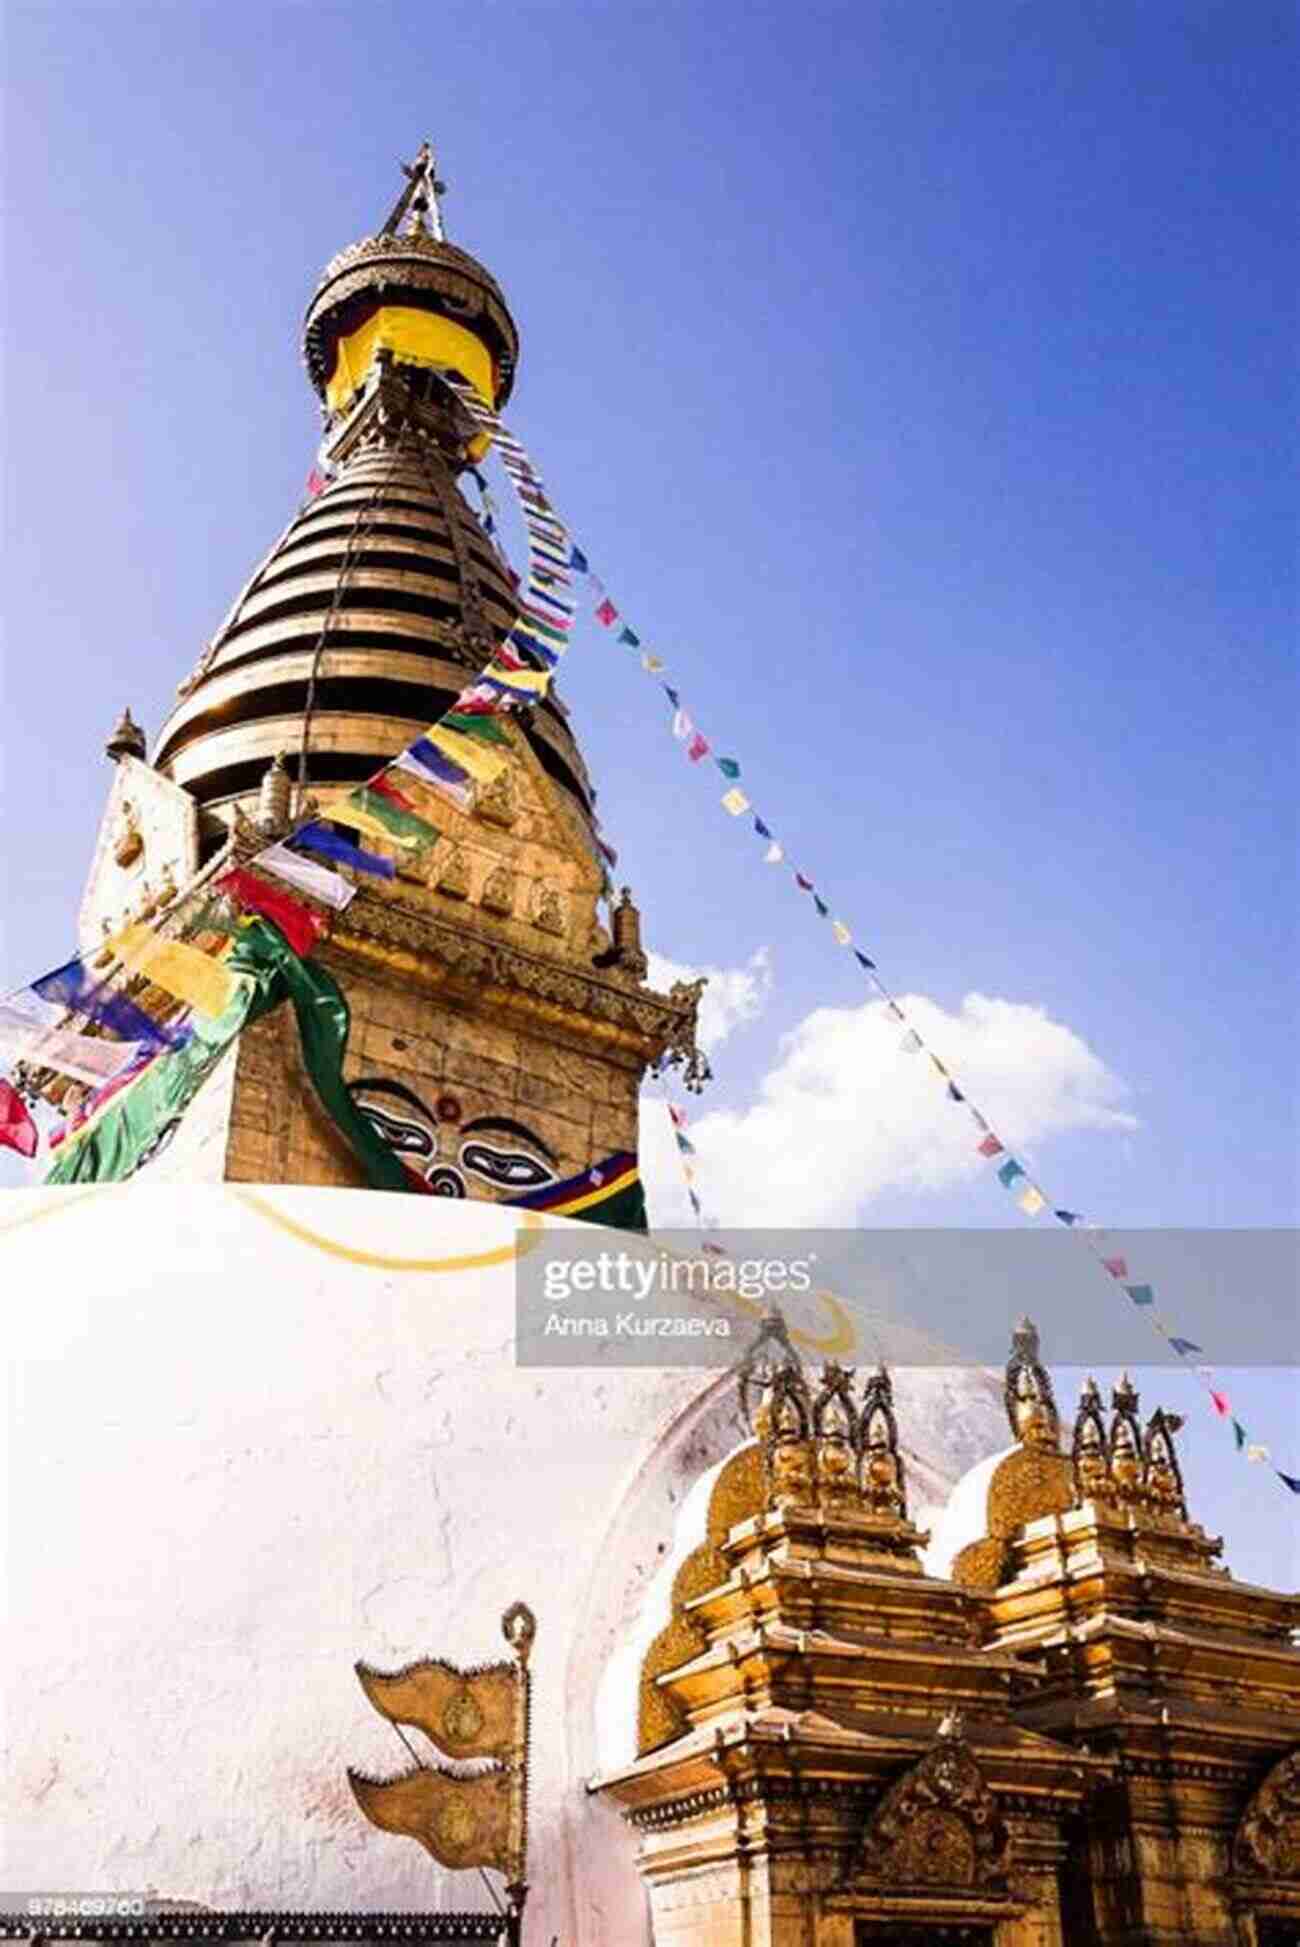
[1267,1840]
[549,916]
[499,803]
[453,879]
[826,1450]
[939,1824]
[498,895]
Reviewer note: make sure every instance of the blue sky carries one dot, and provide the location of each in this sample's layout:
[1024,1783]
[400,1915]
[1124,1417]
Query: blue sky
[918,376]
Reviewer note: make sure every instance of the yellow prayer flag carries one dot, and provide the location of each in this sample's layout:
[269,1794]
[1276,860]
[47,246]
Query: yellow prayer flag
[841,932]
[194,977]
[1031,1201]
[482,764]
[735,801]
[343,810]
[536,680]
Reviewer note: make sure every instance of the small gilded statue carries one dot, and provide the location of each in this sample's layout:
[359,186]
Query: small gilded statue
[128,840]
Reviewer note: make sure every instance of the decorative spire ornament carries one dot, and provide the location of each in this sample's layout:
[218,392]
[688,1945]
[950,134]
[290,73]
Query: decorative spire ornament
[418,203]
[127,739]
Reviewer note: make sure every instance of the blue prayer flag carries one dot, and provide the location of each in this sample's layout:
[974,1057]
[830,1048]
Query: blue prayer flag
[954,1093]
[673,697]
[328,844]
[578,560]
[1183,1347]
[1288,1480]
[74,986]
[863,961]
[1008,1173]
[761,828]
[728,766]
[1141,1294]
[1066,1216]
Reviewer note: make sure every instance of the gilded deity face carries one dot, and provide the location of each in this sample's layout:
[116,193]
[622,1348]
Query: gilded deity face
[454,1158]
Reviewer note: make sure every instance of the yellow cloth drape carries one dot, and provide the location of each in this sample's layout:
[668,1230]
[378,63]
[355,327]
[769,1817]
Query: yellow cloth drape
[413,335]
[184,971]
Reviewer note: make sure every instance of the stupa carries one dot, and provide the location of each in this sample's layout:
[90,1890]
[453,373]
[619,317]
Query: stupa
[498,1004]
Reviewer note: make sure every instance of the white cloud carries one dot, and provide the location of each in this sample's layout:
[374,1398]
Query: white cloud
[733,997]
[845,1114]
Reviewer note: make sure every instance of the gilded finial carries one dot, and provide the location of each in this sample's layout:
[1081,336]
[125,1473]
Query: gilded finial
[418,202]
[127,739]
[1089,1454]
[1030,1401]
[1124,1443]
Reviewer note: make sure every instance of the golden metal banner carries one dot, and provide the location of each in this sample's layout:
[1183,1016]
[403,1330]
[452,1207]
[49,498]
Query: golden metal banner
[466,1713]
[460,1821]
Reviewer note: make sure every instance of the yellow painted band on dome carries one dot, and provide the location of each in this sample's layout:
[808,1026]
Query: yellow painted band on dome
[420,339]
[529,1237]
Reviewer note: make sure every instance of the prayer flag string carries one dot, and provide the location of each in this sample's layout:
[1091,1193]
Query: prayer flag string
[467,746]
[1012,1174]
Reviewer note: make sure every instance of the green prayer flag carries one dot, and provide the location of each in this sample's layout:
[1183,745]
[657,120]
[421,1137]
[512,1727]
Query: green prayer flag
[486,729]
[394,818]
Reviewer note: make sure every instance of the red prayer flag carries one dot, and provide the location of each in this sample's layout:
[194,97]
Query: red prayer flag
[697,748]
[17,1130]
[300,926]
[1117,1266]
[990,1146]
[1220,1404]
[607,613]
[387,789]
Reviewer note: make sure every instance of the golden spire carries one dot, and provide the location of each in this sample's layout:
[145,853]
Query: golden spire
[419,200]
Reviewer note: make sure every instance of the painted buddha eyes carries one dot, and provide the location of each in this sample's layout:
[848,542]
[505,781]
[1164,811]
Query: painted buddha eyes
[511,1168]
[526,1167]
[405,1135]
[520,1163]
